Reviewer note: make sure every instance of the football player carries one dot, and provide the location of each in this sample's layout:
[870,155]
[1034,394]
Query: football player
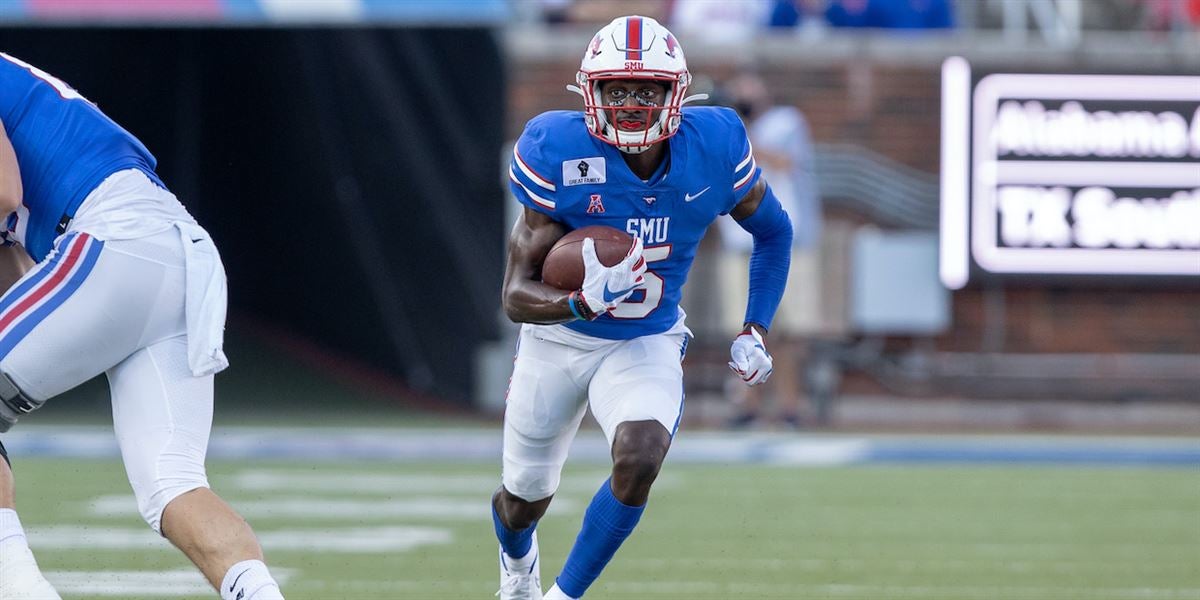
[638,160]
[127,284]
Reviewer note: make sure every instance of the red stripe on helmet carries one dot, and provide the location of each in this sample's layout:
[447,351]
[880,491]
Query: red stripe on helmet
[633,39]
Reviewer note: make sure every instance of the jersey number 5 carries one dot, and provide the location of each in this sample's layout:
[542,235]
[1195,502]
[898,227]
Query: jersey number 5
[638,309]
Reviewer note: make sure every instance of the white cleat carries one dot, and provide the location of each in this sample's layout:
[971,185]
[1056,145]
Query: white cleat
[20,578]
[520,579]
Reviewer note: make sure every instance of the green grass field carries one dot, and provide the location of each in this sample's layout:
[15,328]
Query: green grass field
[376,531]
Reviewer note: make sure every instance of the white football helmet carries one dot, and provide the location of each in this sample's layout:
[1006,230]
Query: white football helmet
[634,48]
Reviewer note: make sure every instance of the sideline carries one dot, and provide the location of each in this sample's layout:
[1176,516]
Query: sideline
[423,445]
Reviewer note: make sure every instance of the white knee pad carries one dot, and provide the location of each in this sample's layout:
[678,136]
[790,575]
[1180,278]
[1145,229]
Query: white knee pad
[532,484]
[174,480]
[533,464]
[151,507]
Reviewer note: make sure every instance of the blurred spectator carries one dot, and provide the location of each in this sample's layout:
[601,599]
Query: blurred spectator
[714,20]
[783,148]
[795,13]
[785,13]
[890,14]
[1168,15]
[555,12]
[596,12]
[720,21]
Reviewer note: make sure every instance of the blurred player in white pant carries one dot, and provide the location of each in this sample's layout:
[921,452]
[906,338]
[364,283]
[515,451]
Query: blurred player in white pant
[784,149]
[125,283]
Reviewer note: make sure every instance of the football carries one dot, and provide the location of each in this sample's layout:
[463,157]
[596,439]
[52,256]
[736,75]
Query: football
[563,267]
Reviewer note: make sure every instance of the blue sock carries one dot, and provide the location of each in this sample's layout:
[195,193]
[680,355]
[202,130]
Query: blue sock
[516,544]
[606,524]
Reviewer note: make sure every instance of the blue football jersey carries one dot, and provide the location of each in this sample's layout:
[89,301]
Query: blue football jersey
[65,147]
[562,171]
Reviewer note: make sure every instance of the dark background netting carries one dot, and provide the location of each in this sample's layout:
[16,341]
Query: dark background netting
[351,177]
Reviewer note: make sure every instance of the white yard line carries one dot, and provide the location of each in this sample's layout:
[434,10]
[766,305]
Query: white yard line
[161,584]
[128,584]
[675,589]
[375,482]
[829,564]
[394,538]
[704,589]
[333,508]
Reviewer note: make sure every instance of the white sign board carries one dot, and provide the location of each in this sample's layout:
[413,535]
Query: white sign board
[1069,174]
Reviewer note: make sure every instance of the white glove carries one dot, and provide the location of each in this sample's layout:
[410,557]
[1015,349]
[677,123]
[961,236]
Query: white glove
[606,287]
[750,359]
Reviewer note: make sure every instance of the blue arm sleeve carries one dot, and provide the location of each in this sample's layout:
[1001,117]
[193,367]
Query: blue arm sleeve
[770,259]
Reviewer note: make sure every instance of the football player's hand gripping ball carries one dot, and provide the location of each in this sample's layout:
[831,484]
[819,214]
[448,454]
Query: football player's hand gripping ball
[750,358]
[606,287]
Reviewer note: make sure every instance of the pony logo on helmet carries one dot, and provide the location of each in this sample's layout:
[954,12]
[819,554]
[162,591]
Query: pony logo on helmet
[672,44]
[595,47]
[641,50]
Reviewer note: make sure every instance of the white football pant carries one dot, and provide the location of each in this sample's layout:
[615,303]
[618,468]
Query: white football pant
[559,373]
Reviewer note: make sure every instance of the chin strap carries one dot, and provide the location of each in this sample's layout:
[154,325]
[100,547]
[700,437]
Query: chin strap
[574,88]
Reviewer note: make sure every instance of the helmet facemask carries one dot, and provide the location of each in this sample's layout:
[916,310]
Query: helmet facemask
[635,49]
[660,116]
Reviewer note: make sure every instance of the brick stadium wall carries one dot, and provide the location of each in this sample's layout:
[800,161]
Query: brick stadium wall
[891,110]
[1083,320]
[895,111]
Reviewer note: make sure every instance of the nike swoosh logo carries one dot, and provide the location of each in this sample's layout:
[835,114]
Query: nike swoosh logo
[609,296]
[233,585]
[690,197]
